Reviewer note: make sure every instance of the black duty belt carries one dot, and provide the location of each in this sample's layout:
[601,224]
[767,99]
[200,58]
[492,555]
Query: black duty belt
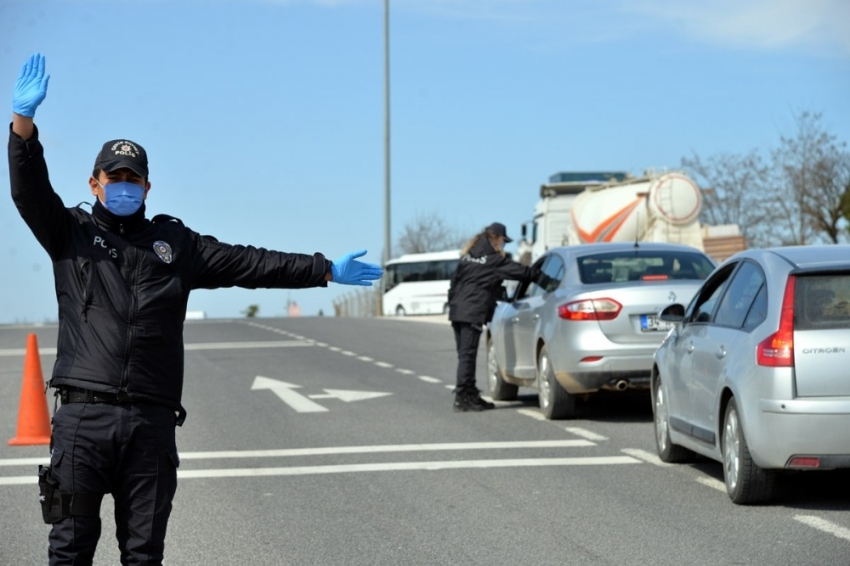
[77,395]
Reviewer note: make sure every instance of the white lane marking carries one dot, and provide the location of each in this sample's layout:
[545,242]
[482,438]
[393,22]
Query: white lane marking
[190,347]
[646,456]
[713,483]
[386,448]
[584,433]
[383,364]
[406,466]
[286,392]
[25,461]
[450,386]
[242,345]
[347,353]
[322,344]
[22,352]
[348,396]
[19,480]
[532,413]
[334,349]
[297,337]
[382,467]
[824,525]
[366,359]
[428,379]
[404,371]
[367,449]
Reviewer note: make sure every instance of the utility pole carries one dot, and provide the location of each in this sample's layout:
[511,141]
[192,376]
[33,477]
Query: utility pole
[387,244]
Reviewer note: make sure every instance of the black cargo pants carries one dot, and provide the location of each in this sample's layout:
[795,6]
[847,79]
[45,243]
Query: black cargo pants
[127,450]
[467,337]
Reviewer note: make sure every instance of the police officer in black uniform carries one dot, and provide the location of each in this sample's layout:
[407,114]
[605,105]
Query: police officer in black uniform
[474,290]
[123,283]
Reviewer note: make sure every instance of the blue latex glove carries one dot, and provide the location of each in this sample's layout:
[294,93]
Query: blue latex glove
[31,87]
[348,271]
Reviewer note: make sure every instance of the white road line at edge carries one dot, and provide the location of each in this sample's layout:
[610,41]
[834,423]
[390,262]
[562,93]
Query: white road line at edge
[428,379]
[532,413]
[378,467]
[368,449]
[824,525]
[646,456]
[406,466]
[584,433]
[713,483]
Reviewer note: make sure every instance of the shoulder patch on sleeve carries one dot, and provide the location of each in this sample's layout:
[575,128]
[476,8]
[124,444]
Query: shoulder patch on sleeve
[166,218]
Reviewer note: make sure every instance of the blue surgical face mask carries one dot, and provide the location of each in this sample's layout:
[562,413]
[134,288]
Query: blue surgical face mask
[123,198]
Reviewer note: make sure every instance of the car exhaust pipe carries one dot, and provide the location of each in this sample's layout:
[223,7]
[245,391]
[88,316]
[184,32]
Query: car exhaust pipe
[621,385]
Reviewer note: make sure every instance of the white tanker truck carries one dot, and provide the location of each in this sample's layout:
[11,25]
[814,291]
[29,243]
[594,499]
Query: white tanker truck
[576,208]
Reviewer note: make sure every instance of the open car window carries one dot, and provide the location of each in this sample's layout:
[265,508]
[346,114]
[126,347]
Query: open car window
[533,288]
[702,307]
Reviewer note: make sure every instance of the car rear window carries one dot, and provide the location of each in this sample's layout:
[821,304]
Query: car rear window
[643,265]
[822,301]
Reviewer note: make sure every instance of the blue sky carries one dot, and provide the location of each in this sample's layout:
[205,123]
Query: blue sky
[264,120]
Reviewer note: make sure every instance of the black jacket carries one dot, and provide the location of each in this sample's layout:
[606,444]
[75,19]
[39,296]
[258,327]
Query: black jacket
[123,284]
[476,285]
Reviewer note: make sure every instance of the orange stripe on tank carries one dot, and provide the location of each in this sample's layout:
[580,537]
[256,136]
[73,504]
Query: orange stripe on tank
[609,227]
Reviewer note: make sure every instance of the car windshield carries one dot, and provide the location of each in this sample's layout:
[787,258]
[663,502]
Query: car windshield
[643,265]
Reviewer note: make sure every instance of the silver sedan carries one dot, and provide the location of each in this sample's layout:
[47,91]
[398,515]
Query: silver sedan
[589,321]
[755,373]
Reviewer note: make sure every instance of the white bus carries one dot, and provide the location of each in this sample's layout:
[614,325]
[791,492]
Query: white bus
[418,283]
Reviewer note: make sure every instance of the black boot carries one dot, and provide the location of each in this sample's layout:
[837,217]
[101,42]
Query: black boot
[471,401]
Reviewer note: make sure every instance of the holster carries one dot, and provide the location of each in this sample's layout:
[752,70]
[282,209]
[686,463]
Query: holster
[57,504]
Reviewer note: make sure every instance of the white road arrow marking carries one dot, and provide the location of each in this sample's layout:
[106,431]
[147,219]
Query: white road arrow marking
[348,396]
[287,394]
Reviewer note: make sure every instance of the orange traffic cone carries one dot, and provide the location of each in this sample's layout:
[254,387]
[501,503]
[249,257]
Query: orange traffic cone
[33,419]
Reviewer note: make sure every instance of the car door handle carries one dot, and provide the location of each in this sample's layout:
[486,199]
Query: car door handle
[721,353]
[515,319]
[536,317]
[691,348]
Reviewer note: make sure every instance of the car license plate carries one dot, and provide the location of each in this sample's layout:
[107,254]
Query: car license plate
[650,323]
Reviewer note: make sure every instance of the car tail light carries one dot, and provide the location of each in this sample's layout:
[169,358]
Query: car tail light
[777,350]
[654,278]
[590,309]
[803,462]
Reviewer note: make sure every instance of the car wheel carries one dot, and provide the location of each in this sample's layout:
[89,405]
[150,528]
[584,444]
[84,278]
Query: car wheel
[746,483]
[500,390]
[399,311]
[667,451]
[554,401]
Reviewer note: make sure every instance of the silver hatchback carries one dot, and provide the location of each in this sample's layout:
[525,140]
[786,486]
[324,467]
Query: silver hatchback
[756,372]
[589,321]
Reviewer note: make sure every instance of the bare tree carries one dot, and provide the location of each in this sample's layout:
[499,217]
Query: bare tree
[733,188]
[799,196]
[428,232]
[815,168]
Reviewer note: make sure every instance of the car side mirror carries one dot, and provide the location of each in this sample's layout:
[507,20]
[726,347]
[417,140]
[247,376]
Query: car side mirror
[503,294]
[672,313]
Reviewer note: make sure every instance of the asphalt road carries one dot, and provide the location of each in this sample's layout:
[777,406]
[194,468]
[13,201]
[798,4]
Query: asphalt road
[332,441]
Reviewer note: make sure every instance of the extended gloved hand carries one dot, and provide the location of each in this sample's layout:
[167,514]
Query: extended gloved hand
[31,87]
[348,271]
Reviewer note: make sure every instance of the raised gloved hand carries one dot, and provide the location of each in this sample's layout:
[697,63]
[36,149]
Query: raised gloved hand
[31,87]
[348,271]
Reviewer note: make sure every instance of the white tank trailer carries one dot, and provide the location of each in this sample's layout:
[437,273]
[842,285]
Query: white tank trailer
[588,207]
